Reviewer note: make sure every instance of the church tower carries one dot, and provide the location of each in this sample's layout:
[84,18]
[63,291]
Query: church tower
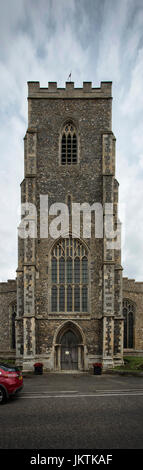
[69,286]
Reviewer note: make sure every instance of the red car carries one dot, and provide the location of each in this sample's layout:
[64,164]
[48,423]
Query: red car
[11,381]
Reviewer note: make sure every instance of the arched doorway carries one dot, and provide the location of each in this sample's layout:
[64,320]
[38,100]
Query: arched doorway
[69,348]
[69,351]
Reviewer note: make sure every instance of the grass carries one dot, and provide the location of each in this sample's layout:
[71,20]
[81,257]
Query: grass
[131,364]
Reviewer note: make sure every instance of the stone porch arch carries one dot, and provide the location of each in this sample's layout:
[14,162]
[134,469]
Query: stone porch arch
[69,339]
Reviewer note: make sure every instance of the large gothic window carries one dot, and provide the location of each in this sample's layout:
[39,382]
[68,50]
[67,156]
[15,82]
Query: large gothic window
[69,276]
[69,145]
[128,314]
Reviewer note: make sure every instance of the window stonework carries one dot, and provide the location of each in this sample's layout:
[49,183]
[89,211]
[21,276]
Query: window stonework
[69,276]
[13,317]
[128,314]
[69,145]
[69,204]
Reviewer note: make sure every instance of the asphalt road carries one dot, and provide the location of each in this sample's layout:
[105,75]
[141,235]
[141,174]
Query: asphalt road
[74,412]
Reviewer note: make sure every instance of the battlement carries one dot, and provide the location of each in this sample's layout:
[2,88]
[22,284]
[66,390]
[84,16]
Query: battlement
[132,285]
[8,286]
[87,91]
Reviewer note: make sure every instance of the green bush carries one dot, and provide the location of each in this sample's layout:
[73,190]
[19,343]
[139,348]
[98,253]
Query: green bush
[131,363]
[7,361]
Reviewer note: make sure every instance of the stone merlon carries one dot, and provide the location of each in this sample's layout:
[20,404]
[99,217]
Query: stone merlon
[104,91]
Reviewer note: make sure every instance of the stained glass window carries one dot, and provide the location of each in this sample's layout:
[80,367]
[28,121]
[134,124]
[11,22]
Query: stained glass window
[62,299]
[128,314]
[54,298]
[77,270]
[77,299]
[69,299]
[69,276]
[84,299]
[54,270]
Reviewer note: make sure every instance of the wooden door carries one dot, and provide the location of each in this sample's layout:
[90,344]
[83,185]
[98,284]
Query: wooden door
[69,351]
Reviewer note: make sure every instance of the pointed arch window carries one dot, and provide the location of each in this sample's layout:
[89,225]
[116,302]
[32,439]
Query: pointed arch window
[128,314]
[69,276]
[69,145]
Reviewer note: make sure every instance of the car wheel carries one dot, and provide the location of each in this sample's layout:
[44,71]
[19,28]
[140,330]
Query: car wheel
[2,395]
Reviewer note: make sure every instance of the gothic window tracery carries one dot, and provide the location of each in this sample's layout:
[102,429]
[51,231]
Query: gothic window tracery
[69,145]
[69,276]
[128,314]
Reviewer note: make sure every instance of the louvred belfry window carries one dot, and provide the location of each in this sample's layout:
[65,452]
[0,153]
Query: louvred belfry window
[69,276]
[69,145]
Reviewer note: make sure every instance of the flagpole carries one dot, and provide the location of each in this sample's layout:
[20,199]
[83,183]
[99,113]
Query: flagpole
[69,77]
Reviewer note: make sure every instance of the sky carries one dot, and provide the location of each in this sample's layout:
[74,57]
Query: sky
[98,40]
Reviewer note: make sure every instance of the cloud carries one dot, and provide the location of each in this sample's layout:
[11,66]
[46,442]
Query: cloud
[98,40]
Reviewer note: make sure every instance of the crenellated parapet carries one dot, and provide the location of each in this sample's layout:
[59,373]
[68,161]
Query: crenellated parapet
[87,91]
